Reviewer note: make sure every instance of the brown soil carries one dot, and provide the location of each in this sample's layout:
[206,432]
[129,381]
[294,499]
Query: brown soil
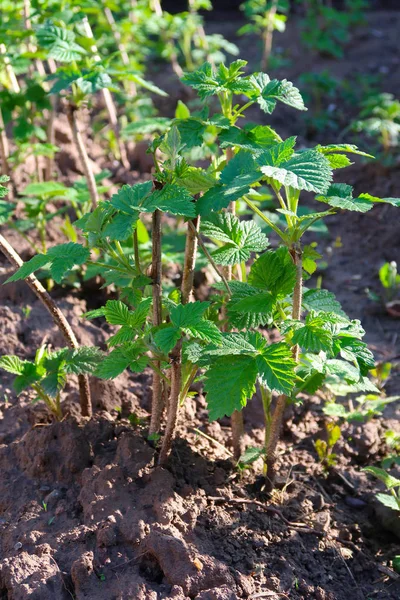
[85,514]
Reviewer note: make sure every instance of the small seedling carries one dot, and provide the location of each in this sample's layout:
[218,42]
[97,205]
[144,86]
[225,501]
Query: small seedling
[47,374]
[392,440]
[380,119]
[391,499]
[325,447]
[367,407]
[265,16]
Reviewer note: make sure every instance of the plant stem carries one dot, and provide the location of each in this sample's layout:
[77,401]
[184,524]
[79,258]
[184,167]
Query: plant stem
[258,212]
[136,252]
[77,137]
[268,34]
[190,260]
[237,424]
[176,354]
[156,272]
[58,318]
[124,55]
[108,101]
[173,404]
[277,417]
[187,384]
[4,147]
[211,260]
[10,71]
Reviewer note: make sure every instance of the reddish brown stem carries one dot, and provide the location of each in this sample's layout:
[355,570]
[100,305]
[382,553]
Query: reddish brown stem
[176,354]
[173,404]
[190,260]
[237,424]
[57,316]
[4,147]
[108,101]
[156,273]
[77,137]
[277,417]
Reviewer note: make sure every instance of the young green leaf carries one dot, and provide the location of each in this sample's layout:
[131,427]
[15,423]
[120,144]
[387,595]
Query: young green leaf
[128,355]
[274,271]
[275,366]
[61,259]
[186,315]
[235,181]
[12,364]
[230,382]
[167,337]
[241,238]
[269,92]
[171,198]
[308,170]
[389,481]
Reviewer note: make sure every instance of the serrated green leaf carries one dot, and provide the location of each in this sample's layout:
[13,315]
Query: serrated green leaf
[353,349]
[338,161]
[272,91]
[279,153]
[130,197]
[340,195]
[241,238]
[308,170]
[207,81]
[12,364]
[54,382]
[171,198]
[196,180]
[343,370]
[192,132]
[82,360]
[250,455]
[312,336]
[256,139]
[322,300]
[204,330]
[138,317]
[60,43]
[129,355]
[166,338]
[146,126]
[259,303]
[247,319]
[121,226]
[274,271]
[275,365]
[31,374]
[235,181]
[64,257]
[187,315]
[345,148]
[124,335]
[116,313]
[37,262]
[227,394]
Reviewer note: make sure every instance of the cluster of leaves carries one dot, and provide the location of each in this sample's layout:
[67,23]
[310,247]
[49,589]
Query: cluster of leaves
[391,499]
[47,373]
[380,119]
[227,337]
[326,29]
